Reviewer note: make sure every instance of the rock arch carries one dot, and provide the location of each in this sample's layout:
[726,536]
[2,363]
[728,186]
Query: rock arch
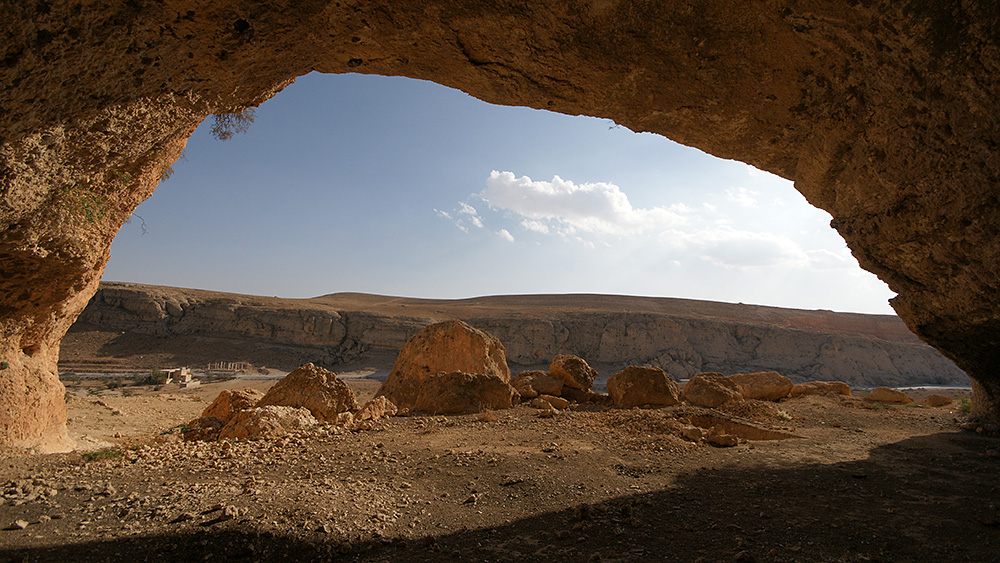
[884,113]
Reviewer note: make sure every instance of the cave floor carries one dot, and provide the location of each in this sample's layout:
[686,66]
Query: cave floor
[863,482]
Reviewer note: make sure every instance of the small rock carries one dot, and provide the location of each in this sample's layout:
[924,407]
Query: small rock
[20,524]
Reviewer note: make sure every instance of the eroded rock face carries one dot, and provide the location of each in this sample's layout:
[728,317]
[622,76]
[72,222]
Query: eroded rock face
[313,388]
[460,393]
[884,113]
[451,346]
[636,386]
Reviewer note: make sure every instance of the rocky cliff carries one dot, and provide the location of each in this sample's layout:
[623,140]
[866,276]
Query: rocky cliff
[884,113]
[683,337]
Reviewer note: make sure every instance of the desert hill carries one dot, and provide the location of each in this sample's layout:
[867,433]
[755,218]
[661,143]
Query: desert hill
[131,326]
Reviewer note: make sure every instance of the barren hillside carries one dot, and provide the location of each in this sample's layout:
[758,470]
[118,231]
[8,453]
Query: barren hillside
[130,326]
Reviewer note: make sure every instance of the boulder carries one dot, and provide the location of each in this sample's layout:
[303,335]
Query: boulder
[762,385]
[886,395]
[573,371]
[460,393]
[556,402]
[313,388]
[711,390]
[937,400]
[533,383]
[375,409]
[204,429]
[230,402]
[266,422]
[541,404]
[692,433]
[451,346]
[636,386]
[820,388]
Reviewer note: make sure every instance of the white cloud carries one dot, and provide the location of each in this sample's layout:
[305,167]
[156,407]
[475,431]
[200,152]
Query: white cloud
[464,215]
[742,196]
[537,226]
[599,208]
[505,234]
[735,249]
[471,214]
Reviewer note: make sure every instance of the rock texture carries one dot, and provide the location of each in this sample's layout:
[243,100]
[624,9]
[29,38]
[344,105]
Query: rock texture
[461,393]
[886,395]
[268,421]
[573,371]
[315,389]
[230,402]
[883,113]
[637,386]
[711,390]
[763,385]
[820,388]
[451,346]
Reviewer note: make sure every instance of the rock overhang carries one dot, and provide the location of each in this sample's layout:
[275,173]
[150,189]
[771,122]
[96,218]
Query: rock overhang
[884,114]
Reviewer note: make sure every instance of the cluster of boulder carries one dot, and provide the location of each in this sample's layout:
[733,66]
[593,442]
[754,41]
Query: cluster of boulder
[304,398]
[454,368]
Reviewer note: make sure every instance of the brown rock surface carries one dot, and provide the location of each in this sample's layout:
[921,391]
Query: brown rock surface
[314,388]
[762,385]
[451,346]
[229,402]
[820,388]
[268,421]
[711,390]
[883,113]
[532,383]
[377,408]
[637,386]
[461,393]
[935,400]
[573,371]
[886,395]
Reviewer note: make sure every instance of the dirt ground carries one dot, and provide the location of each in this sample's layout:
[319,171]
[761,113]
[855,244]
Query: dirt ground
[862,482]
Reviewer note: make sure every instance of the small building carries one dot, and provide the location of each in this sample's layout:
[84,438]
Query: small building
[183,377]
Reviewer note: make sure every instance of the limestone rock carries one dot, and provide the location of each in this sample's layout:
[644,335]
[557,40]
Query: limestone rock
[692,433]
[762,385]
[541,404]
[886,395]
[205,428]
[936,400]
[558,403]
[230,402]
[711,390]
[461,393]
[573,371]
[376,409]
[451,346]
[314,388]
[636,386]
[266,422]
[532,383]
[820,388]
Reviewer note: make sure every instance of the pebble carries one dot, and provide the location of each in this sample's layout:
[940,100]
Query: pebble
[20,524]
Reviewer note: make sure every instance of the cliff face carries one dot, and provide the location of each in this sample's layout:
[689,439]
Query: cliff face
[682,340]
[884,113]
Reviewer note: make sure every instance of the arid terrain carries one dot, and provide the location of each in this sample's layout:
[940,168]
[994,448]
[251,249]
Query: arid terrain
[861,482]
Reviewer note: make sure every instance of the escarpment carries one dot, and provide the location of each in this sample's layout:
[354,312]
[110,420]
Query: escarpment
[883,113]
[682,337]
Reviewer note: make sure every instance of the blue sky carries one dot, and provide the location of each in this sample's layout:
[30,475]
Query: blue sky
[403,187]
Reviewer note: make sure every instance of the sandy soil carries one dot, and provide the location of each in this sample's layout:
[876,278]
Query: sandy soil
[862,483]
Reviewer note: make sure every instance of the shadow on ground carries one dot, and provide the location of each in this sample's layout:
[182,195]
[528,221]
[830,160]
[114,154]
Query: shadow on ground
[928,498]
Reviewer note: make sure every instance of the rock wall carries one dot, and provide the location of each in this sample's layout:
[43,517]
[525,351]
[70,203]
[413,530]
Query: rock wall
[884,113]
[681,344]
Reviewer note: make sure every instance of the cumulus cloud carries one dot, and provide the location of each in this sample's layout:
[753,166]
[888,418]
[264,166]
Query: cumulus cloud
[567,207]
[463,216]
[505,235]
[742,196]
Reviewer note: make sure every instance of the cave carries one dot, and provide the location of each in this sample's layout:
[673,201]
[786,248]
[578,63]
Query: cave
[883,113]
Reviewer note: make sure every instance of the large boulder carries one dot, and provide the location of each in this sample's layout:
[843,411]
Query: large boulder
[886,395]
[314,388]
[574,372]
[460,393]
[205,429]
[637,386]
[532,383]
[820,388]
[266,422]
[936,400]
[711,390]
[451,346]
[762,385]
[230,402]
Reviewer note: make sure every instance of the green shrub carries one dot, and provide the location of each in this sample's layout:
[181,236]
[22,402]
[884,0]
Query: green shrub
[4,365]
[101,454]
[964,405]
